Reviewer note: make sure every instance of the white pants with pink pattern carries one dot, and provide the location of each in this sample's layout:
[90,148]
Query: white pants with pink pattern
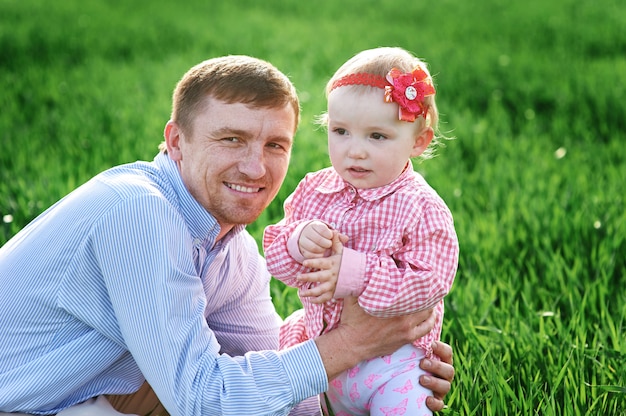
[383,386]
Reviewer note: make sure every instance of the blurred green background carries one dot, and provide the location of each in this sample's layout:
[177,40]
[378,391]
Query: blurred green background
[532,91]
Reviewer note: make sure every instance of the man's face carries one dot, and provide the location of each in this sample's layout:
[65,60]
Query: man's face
[236,158]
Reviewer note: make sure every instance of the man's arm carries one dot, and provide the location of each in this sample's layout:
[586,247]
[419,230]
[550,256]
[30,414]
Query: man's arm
[360,336]
[159,301]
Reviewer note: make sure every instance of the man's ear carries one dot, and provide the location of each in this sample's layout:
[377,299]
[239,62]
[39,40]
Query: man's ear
[173,137]
[422,141]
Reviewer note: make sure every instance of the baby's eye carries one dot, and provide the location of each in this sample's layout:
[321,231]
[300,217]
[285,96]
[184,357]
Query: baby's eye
[378,136]
[340,131]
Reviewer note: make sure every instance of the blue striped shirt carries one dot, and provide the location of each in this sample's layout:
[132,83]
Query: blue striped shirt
[123,279]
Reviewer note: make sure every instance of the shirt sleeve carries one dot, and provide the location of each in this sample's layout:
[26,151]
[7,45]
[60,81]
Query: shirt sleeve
[350,281]
[246,320]
[159,302]
[419,274]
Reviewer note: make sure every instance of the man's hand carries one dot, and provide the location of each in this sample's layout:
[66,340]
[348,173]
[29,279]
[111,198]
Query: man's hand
[442,375]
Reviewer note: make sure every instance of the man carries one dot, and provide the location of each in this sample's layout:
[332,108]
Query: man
[146,274]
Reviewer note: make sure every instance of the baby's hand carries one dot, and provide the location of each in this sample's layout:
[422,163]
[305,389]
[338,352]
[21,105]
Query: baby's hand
[316,238]
[325,275]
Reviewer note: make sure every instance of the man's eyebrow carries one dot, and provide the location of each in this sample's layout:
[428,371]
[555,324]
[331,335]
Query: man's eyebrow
[234,132]
[230,132]
[288,139]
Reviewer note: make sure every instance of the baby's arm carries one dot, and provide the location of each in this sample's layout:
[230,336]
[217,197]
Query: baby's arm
[326,271]
[419,273]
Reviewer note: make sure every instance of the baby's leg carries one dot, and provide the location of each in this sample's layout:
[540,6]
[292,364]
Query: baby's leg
[382,386]
[402,394]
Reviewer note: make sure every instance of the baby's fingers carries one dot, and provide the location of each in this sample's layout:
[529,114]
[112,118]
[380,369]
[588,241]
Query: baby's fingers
[314,277]
[321,299]
[318,294]
[322,263]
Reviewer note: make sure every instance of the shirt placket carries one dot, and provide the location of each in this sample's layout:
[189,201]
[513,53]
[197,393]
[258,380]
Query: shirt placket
[342,210]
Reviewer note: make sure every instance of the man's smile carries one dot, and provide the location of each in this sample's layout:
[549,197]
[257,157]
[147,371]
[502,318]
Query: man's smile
[241,188]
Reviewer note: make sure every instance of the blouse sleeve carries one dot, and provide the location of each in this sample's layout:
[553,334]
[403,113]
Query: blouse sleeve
[419,274]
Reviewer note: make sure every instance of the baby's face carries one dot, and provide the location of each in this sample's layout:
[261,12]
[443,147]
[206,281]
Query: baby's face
[368,146]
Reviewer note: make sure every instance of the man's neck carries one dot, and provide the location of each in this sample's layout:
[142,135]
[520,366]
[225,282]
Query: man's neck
[223,231]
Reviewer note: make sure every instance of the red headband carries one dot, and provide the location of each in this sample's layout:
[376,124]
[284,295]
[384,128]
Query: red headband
[361,78]
[408,90]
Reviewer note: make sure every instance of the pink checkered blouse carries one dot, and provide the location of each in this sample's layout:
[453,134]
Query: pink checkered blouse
[402,254]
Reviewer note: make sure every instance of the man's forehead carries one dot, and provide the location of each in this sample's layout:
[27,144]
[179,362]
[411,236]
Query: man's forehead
[243,119]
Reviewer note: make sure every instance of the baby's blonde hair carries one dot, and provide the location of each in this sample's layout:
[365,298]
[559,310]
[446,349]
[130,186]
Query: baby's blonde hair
[379,61]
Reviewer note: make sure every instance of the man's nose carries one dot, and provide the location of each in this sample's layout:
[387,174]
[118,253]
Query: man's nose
[252,163]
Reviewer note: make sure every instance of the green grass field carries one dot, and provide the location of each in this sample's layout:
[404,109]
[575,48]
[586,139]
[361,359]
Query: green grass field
[534,93]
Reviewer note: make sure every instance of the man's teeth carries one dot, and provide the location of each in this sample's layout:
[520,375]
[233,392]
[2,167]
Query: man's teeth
[243,188]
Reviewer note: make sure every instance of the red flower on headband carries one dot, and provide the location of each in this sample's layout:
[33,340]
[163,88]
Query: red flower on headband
[409,91]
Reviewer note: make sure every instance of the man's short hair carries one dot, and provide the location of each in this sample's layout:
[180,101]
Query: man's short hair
[232,79]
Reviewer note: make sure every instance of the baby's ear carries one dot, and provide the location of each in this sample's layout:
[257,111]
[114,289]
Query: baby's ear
[422,141]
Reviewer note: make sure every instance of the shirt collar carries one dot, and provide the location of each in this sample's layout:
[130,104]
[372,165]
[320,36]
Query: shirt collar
[201,224]
[334,183]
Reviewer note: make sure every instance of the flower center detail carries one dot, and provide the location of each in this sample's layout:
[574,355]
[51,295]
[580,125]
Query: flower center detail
[410,92]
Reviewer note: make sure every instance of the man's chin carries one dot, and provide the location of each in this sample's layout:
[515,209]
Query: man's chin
[238,217]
